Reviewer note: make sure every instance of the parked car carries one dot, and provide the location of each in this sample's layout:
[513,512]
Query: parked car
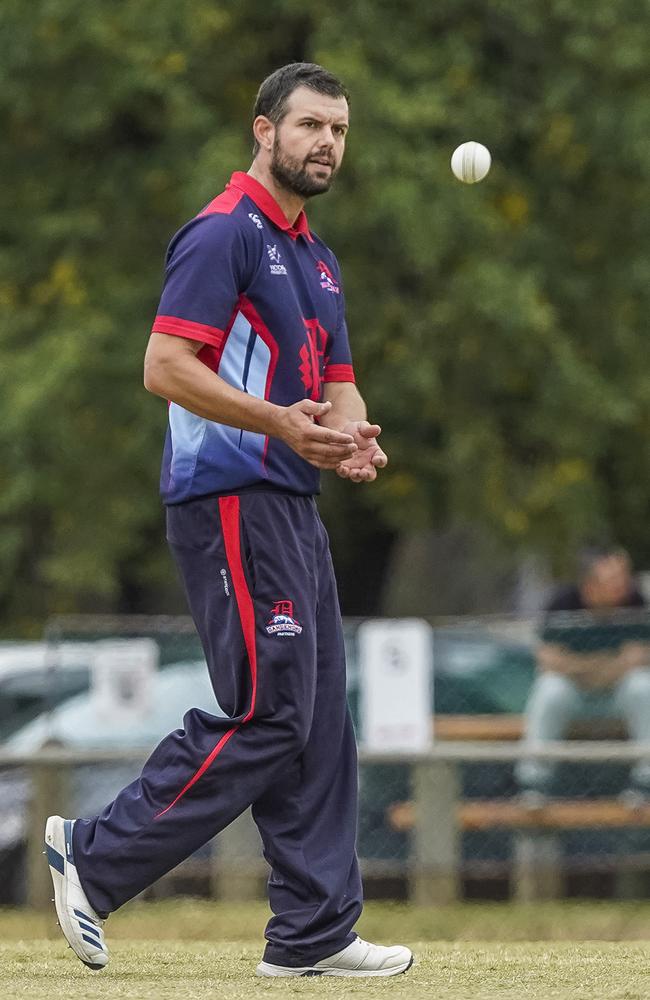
[79,723]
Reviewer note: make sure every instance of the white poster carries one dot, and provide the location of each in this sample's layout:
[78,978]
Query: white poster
[123,673]
[395,663]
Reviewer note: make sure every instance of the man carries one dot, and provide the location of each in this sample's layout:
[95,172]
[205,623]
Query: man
[250,346]
[594,661]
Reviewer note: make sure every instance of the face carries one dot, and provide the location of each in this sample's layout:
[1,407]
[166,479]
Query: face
[308,143]
[609,582]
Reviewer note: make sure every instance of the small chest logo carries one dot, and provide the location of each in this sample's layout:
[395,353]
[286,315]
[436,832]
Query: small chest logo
[274,256]
[327,280]
[255,219]
[282,622]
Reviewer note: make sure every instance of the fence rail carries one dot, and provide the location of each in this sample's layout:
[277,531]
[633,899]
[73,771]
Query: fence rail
[449,751]
[437,824]
[437,815]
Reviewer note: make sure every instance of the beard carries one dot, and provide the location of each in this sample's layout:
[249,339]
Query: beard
[292,174]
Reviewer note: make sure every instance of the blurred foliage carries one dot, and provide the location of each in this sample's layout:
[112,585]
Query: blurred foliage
[498,330]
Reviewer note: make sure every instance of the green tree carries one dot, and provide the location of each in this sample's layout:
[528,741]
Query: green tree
[504,350]
[498,329]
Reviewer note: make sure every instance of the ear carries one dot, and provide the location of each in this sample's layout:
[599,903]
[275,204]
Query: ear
[264,132]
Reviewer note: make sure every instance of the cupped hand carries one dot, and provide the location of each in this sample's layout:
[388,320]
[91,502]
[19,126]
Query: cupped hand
[320,446]
[362,465]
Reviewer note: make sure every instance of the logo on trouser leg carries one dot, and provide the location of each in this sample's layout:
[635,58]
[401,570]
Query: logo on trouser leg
[282,622]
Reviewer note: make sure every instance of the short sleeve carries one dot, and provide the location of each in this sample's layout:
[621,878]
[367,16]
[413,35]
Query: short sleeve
[205,272]
[338,357]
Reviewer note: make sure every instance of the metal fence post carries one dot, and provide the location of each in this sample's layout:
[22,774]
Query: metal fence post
[49,795]
[435,858]
[239,871]
[537,867]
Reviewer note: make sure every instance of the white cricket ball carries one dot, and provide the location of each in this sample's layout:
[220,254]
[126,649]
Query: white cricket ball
[471,162]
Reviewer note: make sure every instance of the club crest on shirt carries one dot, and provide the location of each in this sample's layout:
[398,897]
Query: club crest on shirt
[282,622]
[327,280]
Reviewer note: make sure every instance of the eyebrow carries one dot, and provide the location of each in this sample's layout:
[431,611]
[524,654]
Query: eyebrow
[316,117]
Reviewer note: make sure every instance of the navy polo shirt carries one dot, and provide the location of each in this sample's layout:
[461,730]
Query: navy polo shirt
[585,630]
[265,300]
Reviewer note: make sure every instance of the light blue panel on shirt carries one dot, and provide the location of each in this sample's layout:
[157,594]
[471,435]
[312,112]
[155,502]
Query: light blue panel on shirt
[245,364]
[187,433]
[196,441]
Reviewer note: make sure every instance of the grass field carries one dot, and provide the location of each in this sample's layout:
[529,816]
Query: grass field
[196,949]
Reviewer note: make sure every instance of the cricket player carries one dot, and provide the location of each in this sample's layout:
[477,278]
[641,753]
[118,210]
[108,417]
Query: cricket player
[250,347]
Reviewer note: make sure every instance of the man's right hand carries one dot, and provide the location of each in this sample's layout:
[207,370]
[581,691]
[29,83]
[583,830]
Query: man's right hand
[320,446]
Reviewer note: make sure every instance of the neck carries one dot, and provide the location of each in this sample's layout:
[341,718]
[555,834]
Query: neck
[290,203]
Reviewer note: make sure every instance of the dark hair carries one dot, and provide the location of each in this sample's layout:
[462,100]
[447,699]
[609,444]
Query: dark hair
[272,97]
[592,554]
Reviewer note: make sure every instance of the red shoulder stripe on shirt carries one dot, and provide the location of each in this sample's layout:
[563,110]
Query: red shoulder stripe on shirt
[339,373]
[224,203]
[189,329]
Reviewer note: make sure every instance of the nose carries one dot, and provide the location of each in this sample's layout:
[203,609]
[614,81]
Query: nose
[327,136]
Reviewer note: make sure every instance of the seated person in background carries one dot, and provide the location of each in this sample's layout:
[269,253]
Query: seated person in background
[596,663]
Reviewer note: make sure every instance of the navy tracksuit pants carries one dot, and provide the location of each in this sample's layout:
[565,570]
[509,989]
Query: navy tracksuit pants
[261,588]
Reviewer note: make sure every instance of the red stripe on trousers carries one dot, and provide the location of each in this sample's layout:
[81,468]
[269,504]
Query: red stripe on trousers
[229,510]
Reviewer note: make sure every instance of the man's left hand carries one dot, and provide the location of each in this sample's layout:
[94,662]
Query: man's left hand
[362,466]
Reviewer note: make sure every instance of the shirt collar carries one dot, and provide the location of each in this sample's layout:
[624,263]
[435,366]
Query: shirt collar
[267,204]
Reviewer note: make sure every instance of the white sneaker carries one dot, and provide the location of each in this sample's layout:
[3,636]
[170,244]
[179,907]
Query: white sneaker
[80,924]
[359,959]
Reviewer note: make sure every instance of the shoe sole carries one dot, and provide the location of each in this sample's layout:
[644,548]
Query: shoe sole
[277,972]
[56,860]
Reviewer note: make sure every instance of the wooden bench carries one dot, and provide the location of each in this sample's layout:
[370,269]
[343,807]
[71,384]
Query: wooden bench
[438,816]
[560,814]
[504,727]
[510,814]
[538,864]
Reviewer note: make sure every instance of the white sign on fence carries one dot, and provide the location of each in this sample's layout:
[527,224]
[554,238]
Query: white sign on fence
[395,661]
[123,672]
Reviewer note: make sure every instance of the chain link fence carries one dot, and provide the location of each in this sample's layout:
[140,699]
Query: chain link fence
[459,819]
